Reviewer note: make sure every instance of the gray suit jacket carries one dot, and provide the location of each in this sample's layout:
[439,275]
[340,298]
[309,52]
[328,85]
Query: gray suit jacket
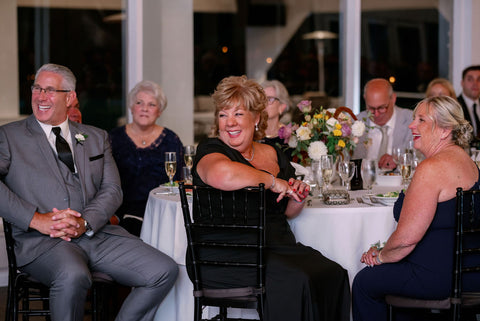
[32,181]
[401,133]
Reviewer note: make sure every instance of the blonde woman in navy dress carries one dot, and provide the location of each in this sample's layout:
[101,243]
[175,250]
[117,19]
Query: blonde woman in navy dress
[417,260]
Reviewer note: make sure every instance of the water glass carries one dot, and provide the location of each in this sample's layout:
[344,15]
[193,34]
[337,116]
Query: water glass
[326,164]
[369,173]
[346,170]
[317,177]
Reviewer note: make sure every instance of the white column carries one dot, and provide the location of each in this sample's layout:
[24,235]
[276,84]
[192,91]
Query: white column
[134,54]
[461,44]
[350,14]
[9,100]
[168,60]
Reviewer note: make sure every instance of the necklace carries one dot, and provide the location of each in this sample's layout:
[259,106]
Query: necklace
[253,154]
[143,138]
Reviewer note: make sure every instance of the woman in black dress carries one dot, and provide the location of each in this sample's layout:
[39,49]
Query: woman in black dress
[301,284]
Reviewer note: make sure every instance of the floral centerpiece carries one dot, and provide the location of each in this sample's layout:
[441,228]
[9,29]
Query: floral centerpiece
[333,131]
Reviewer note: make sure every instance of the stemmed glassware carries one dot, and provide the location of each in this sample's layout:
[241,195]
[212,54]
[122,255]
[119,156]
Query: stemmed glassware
[396,152]
[171,167]
[316,173]
[476,157]
[326,164]
[369,173]
[346,170]
[189,155]
[406,163]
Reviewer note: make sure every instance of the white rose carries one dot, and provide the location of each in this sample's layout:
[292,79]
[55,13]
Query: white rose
[332,110]
[316,150]
[303,133]
[331,122]
[358,128]
[292,142]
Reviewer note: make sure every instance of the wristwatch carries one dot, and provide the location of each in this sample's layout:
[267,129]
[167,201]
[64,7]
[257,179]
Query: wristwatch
[88,229]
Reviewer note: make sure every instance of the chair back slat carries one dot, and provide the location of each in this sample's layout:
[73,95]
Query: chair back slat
[467,244]
[225,237]
[466,259]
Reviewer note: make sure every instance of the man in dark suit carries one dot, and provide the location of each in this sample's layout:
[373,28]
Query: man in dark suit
[59,200]
[469,98]
[380,103]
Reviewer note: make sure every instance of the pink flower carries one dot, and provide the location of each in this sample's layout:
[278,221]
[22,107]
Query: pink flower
[305,106]
[285,132]
[346,130]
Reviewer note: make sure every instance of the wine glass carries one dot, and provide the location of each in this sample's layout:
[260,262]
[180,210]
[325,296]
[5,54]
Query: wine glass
[369,173]
[476,157]
[171,167]
[326,164]
[187,175]
[346,170]
[406,162]
[189,155]
[396,152]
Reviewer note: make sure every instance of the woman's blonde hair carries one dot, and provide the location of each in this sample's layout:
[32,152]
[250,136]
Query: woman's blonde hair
[445,112]
[443,82]
[239,91]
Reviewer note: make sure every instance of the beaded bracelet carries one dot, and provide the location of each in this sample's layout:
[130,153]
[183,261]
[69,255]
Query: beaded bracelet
[273,181]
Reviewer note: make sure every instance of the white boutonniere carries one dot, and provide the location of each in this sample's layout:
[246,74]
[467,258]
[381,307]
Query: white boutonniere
[80,138]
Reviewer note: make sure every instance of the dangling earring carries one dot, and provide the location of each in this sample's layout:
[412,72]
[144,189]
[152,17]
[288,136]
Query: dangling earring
[256,127]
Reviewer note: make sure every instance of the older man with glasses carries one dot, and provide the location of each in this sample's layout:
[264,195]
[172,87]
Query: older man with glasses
[388,122]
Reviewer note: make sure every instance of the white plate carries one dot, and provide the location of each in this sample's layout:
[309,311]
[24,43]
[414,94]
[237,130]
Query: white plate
[388,201]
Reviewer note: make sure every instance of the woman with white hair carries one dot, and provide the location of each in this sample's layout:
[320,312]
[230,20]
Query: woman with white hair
[139,151]
[278,103]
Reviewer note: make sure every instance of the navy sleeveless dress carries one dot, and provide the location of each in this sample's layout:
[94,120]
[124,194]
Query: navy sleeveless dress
[425,273]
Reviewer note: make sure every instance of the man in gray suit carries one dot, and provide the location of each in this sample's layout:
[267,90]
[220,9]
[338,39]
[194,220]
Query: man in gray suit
[60,209]
[380,103]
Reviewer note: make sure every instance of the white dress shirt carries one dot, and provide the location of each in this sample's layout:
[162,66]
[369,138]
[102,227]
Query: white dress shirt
[375,136]
[65,132]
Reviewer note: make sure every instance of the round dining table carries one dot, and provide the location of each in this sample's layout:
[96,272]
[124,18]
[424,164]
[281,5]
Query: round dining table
[340,232]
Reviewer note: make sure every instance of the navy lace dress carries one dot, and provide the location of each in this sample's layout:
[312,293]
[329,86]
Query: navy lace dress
[143,169]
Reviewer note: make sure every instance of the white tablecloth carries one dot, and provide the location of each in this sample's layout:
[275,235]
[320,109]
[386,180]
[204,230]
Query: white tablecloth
[340,232]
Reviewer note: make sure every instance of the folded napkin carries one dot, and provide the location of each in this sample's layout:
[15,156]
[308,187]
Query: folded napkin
[306,171]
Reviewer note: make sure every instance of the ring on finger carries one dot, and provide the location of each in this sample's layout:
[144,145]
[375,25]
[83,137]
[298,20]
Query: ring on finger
[290,192]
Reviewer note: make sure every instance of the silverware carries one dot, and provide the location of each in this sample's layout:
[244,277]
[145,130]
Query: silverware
[360,200]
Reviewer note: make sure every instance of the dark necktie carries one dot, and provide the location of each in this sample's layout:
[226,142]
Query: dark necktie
[63,150]
[477,120]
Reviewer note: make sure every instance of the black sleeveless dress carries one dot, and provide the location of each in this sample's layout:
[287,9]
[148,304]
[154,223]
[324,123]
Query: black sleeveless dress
[301,284]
